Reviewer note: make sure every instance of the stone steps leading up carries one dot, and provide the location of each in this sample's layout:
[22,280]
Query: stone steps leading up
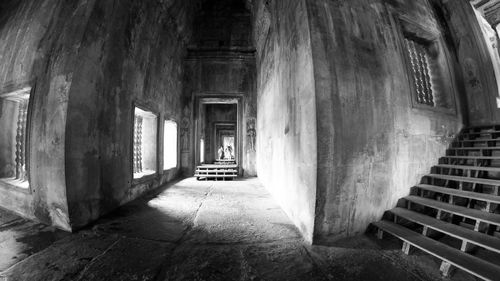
[216,172]
[468,167]
[480,148]
[482,127]
[465,179]
[460,193]
[449,255]
[470,236]
[476,140]
[473,214]
[463,196]
[481,133]
[478,157]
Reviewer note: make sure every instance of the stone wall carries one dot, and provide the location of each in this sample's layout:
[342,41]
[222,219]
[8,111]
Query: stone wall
[39,41]
[286,109]
[374,142]
[482,93]
[131,54]
[89,63]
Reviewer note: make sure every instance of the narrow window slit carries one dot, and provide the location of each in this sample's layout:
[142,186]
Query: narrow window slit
[138,144]
[419,61]
[144,147]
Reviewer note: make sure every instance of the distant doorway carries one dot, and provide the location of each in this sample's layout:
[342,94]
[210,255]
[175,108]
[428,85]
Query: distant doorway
[228,144]
[225,134]
[217,130]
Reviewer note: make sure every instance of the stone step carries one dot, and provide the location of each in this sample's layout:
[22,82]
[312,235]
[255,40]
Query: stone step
[472,148]
[461,193]
[481,133]
[218,170]
[216,176]
[477,140]
[225,163]
[477,238]
[472,157]
[474,214]
[211,166]
[468,167]
[482,127]
[457,258]
[465,179]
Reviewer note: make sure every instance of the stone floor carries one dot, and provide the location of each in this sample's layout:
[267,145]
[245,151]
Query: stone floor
[199,231]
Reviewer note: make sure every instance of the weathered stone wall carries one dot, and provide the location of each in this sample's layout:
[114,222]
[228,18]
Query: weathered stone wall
[482,93]
[373,145]
[132,54]
[39,41]
[89,65]
[286,109]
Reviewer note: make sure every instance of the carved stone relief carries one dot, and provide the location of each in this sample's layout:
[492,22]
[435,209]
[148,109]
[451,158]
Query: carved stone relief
[186,116]
[471,73]
[251,134]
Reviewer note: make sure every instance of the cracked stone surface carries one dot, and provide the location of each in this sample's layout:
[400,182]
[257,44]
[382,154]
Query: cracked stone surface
[199,231]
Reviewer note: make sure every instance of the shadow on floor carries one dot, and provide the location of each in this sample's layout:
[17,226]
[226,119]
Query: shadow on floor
[207,230]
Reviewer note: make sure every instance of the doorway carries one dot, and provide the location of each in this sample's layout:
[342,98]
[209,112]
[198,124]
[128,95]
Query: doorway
[218,128]
[225,145]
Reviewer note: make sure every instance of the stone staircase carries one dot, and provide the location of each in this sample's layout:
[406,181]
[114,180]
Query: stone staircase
[454,213]
[216,172]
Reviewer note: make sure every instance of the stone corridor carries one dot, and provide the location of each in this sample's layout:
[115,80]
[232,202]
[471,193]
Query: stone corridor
[199,231]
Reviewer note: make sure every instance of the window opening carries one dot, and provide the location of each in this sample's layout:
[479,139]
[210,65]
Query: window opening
[170,145]
[13,140]
[144,143]
[202,151]
[419,60]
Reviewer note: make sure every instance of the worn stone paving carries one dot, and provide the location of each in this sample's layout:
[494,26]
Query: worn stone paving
[199,231]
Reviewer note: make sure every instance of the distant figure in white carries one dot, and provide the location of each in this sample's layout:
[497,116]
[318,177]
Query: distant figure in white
[220,152]
[229,150]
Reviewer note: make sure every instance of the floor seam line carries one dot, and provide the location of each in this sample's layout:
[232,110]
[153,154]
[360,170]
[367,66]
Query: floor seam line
[316,264]
[81,274]
[182,239]
[210,189]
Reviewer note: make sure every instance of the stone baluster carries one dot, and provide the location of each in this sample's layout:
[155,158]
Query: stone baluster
[21,140]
